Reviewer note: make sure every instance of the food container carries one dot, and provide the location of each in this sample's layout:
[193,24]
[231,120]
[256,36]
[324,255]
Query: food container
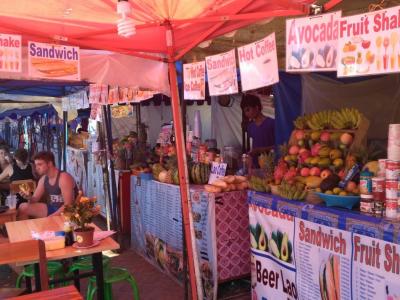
[366,183]
[382,167]
[367,204]
[391,187]
[391,208]
[394,142]
[392,170]
[378,189]
[379,208]
[54,243]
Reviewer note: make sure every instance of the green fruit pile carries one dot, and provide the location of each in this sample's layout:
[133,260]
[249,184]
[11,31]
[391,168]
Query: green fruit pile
[294,191]
[199,173]
[259,184]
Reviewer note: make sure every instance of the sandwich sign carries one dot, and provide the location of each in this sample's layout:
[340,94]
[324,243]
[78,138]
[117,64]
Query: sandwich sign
[51,61]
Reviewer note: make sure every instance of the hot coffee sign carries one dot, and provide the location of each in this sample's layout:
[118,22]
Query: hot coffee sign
[311,43]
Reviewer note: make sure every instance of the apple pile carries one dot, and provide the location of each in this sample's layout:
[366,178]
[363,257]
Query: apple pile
[315,156]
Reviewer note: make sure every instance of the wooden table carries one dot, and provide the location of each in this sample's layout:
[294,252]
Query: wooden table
[8,216]
[21,231]
[68,293]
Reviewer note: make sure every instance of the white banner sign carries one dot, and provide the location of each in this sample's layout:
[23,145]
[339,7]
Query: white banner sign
[311,43]
[53,61]
[221,74]
[258,63]
[10,53]
[273,271]
[369,43]
[194,80]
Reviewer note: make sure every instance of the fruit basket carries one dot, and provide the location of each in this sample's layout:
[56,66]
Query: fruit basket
[339,201]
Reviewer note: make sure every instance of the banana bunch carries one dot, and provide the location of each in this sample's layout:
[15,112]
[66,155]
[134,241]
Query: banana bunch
[259,184]
[266,162]
[301,122]
[292,191]
[321,120]
[346,118]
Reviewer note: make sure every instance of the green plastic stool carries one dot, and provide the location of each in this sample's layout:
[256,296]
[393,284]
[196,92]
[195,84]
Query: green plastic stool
[111,276]
[84,263]
[54,268]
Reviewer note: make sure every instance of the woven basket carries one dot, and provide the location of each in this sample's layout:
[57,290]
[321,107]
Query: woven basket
[275,189]
[313,198]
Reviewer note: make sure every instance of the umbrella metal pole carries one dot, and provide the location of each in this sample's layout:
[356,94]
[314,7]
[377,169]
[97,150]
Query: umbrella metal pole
[65,140]
[194,273]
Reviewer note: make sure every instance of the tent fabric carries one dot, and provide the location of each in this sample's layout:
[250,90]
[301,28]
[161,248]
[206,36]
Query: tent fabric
[18,112]
[288,104]
[92,23]
[378,98]
[103,67]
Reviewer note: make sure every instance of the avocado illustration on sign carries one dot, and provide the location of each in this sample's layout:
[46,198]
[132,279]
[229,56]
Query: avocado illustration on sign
[280,246]
[258,238]
[263,241]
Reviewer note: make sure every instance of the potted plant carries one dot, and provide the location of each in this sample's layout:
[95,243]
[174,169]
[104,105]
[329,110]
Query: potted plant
[81,213]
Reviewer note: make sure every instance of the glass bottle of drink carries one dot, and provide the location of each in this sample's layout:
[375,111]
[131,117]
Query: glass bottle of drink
[69,236]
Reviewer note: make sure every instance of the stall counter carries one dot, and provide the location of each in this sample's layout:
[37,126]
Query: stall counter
[304,251]
[220,224]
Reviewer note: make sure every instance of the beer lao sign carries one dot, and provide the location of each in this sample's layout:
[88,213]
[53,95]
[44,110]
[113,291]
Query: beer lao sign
[10,53]
[53,61]
[258,63]
[311,43]
[369,43]
[194,81]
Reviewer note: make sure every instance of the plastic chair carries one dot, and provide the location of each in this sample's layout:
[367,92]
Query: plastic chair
[84,263]
[112,275]
[54,268]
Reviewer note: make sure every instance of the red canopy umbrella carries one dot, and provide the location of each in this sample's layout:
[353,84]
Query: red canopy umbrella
[167,27]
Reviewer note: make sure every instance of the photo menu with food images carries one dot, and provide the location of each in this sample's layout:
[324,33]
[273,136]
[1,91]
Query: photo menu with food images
[323,267]
[325,262]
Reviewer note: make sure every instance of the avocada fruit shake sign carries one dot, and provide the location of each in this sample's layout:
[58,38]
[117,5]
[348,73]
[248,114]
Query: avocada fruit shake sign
[51,61]
[311,43]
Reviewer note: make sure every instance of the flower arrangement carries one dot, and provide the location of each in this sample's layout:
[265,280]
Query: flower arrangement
[82,211]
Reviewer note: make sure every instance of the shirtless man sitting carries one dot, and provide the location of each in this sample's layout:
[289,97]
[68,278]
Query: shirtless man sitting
[59,186]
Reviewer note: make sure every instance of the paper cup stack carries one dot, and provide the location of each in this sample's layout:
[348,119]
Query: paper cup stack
[392,172]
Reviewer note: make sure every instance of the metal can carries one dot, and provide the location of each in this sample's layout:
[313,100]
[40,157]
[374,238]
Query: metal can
[378,189]
[367,204]
[382,167]
[392,170]
[391,208]
[378,208]
[391,187]
[366,183]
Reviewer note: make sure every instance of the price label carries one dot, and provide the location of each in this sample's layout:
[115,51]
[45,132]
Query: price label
[218,170]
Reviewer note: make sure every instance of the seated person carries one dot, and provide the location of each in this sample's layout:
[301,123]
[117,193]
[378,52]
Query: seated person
[59,186]
[4,157]
[21,170]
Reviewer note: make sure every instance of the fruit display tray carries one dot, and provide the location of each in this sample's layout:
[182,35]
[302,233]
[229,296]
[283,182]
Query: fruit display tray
[339,201]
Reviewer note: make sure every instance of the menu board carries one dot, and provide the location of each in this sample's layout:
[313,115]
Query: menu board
[323,267]
[10,53]
[293,258]
[194,81]
[369,43]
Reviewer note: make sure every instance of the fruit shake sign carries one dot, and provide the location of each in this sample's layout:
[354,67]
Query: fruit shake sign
[194,81]
[53,61]
[10,53]
[258,64]
[311,43]
[369,43]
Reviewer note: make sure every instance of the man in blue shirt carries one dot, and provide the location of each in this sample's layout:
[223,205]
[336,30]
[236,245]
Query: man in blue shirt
[261,129]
